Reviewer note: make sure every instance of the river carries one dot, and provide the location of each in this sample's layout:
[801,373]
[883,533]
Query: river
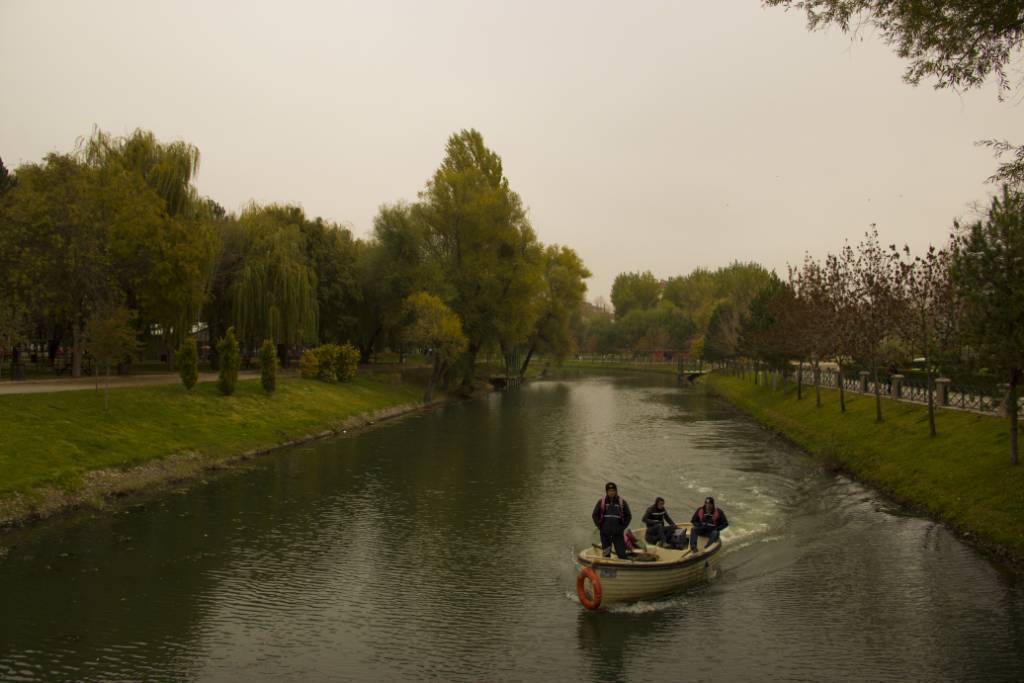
[440,546]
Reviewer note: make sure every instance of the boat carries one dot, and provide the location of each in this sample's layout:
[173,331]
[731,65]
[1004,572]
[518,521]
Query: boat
[650,572]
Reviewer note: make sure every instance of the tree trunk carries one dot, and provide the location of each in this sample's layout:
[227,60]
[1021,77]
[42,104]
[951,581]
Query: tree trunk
[526,363]
[931,396]
[842,389]
[76,349]
[106,390]
[800,381]
[467,378]
[817,383]
[878,397]
[1011,410]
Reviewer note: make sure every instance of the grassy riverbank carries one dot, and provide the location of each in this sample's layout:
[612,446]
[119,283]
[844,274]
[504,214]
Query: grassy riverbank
[55,442]
[962,476]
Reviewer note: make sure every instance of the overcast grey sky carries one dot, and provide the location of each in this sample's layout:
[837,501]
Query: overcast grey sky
[655,136]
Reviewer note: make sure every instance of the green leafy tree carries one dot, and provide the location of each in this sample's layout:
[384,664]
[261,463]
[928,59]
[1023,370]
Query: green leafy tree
[988,273]
[561,299]
[436,328]
[110,338]
[392,266]
[268,366]
[167,168]
[332,255]
[64,222]
[721,341]
[274,293]
[230,361]
[634,291]
[477,235]
[187,358]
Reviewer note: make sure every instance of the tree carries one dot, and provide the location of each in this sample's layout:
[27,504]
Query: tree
[758,324]
[110,338]
[167,168]
[187,358]
[958,43]
[929,298]
[721,341]
[7,181]
[268,366]
[230,360]
[274,294]
[435,327]
[876,305]
[988,273]
[390,267]
[64,223]
[561,299]
[331,252]
[633,291]
[477,234]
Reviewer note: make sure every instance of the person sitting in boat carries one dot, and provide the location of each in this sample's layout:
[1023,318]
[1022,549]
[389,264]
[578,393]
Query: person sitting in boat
[612,517]
[660,526]
[708,521]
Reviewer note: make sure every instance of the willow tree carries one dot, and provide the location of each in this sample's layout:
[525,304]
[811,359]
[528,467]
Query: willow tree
[167,167]
[166,273]
[477,234]
[274,293]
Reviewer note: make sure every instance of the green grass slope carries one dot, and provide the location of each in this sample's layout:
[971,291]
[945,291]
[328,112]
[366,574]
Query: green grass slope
[962,476]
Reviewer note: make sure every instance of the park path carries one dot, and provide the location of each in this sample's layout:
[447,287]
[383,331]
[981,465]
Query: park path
[45,386]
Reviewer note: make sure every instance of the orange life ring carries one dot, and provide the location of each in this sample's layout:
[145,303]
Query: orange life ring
[592,601]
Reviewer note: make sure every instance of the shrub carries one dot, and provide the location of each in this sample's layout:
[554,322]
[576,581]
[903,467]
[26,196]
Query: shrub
[327,356]
[268,366]
[347,362]
[230,360]
[187,357]
[309,364]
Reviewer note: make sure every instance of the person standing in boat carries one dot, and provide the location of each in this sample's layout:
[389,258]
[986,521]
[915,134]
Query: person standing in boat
[612,517]
[660,526]
[708,521]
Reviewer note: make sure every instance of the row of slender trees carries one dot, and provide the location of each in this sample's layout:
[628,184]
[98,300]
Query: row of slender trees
[958,308]
[116,230]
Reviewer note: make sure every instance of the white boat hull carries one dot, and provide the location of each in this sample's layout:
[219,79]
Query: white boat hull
[665,571]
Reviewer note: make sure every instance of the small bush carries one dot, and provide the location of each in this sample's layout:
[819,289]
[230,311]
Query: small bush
[230,361]
[268,366]
[327,356]
[309,364]
[187,357]
[347,362]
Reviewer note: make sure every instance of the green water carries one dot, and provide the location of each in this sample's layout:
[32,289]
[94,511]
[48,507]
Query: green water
[440,546]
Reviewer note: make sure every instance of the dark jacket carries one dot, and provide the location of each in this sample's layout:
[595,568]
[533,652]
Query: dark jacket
[655,517]
[615,517]
[708,523]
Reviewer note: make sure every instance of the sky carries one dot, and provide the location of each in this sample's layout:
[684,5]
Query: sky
[648,136]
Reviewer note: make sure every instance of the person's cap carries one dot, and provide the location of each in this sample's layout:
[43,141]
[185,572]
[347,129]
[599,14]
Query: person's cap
[610,485]
[709,499]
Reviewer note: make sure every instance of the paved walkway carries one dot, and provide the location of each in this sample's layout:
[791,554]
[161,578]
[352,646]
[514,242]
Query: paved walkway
[44,386]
